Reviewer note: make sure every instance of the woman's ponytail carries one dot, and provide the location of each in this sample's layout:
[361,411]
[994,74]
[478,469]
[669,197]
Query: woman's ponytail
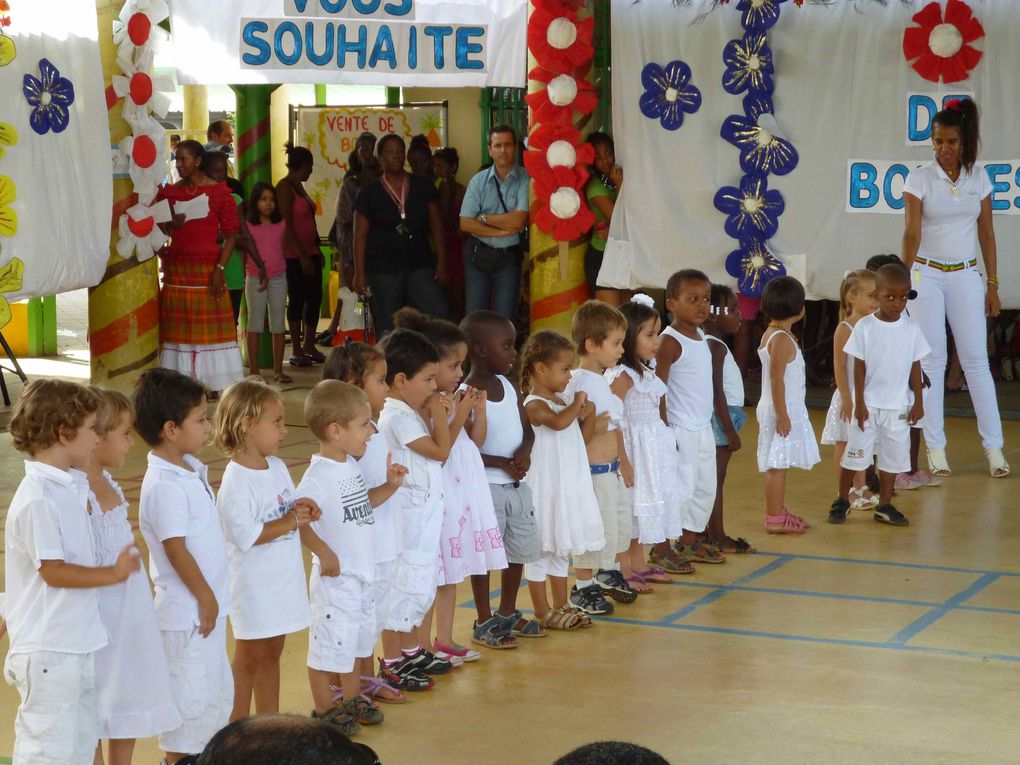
[962,113]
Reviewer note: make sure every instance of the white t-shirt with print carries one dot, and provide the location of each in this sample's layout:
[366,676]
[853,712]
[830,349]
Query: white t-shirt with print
[48,520]
[948,220]
[268,593]
[179,502]
[888,350]
[347,525]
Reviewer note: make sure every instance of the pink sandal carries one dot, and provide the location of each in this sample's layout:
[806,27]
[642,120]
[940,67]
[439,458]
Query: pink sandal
[640,584]
[655,575]
[784,523]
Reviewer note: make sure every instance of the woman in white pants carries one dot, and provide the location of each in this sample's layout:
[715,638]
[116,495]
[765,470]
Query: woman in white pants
[948,219]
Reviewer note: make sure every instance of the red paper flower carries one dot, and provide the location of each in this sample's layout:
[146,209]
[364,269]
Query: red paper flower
[560,208]
[557,40]
[942,46]
[562,95]
[552,146]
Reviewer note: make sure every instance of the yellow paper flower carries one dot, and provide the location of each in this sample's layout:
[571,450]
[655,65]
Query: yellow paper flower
[8,218]
[10,281]
[8,137]
[7,50]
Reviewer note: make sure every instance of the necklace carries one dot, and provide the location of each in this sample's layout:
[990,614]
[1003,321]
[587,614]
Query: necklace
[953,182]
[400,200]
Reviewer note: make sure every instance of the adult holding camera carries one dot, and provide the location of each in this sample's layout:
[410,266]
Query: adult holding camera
[495,214]
[393,219]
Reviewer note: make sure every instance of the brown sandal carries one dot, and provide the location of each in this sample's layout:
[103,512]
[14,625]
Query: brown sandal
[562,618]
[701,552]
[672,562]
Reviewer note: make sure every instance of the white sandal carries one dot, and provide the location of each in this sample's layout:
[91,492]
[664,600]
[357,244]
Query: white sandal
[862,502]
[937,463]
[997,465]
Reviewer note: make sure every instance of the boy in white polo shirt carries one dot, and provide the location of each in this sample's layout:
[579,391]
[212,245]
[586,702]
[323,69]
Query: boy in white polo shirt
[52,604]
[342,542]
[187,556]
[888,348]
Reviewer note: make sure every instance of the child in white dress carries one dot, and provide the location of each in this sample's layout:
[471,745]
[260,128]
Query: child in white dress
[661,484]
[856,300]
[261,518]
[566,510]
[132,678]
[470,543]
[785,437]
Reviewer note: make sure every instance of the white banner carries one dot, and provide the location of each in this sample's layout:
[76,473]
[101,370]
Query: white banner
[55,154]
[427,43]
[846,98]
[330,133]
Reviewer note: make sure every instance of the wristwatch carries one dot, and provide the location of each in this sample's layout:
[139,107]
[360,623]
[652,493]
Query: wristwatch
[484,219]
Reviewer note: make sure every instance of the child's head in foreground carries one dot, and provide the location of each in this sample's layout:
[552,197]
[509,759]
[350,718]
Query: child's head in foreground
[546,361]
[783,299]
[892,290]
[412,363]
[340,416]
[642,338]
[688,295]
[250,414]
[598,331]
[857,293]
[170,409]
[114,425]
[361,365]
[54,412]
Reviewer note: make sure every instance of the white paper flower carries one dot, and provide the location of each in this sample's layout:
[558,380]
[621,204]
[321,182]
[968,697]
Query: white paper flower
[139,233]
[137,30]
[561,33]
[562,90]
[565,202]
[561,154]
[145,155]
[143,93]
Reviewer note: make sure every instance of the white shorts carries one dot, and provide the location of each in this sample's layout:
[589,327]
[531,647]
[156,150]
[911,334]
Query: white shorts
[57,721]
[886,435]
[696,448]
[381,588]
[343,624]
[202,686]
[548,564]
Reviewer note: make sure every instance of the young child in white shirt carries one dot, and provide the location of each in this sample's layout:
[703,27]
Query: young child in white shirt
[187,556]
[684,363]
[52,580]
[261,516]
[598,331]
[888,348]
[342,583]
[412,363]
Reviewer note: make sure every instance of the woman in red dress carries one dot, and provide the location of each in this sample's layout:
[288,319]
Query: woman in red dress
[196,322]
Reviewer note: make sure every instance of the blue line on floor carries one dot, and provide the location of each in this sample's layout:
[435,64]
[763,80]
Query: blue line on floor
[721,590]
[921,566]
[913,629]
[810,594]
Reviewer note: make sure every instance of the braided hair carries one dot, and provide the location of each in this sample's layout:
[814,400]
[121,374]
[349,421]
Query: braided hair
[542,348]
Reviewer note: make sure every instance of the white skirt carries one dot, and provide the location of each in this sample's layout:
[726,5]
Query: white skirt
[215,366]
[797,450]
[836,431]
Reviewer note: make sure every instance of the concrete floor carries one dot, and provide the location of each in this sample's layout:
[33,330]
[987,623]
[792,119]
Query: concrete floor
[859,642]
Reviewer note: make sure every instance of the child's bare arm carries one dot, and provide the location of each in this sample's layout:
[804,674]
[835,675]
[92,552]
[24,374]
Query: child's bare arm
[917,410]
[722,409]
[57,573]
[783,351]
[621,386]
[860,408]
[540,413]
[667,355]
[839,361]
[329,564]
[187,569]
[304,512]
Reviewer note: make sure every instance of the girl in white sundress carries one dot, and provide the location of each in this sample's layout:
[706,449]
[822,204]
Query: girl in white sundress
[785,437]
[661,484]
[566,512]
[470,543]
[132,679]
[856,300]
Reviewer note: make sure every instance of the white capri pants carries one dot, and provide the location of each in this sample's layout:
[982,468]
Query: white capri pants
[958,296]
[548,564]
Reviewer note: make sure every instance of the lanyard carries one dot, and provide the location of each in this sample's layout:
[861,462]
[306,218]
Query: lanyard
[398,200]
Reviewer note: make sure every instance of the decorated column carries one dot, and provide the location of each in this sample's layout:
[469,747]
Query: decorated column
[559,42]
[124,306]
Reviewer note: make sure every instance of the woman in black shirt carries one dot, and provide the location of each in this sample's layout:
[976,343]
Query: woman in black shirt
[394,217]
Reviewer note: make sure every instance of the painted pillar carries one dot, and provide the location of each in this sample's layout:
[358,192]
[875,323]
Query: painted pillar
[557,280]
[124,307]
[254,164]
[195,111]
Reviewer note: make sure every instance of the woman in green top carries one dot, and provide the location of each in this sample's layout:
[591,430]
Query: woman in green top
[602,190]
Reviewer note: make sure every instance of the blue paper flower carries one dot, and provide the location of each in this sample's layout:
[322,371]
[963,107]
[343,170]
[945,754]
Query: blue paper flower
[748,64]
[753,266]
[752,210]
[756,104]
[668,93]
[758,15]
[760,151]
[50,99]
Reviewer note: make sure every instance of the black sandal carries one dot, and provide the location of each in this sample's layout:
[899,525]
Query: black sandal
[300,361]
[492,633]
